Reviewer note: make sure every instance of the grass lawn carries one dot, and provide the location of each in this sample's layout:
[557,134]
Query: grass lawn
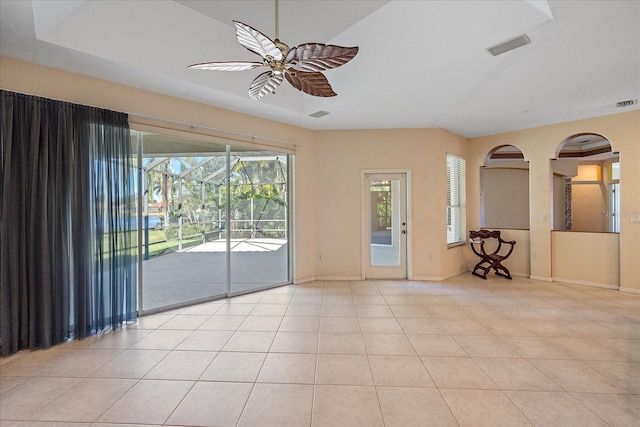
[159,245]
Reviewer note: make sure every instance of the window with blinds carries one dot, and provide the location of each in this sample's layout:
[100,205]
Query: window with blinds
[456,200]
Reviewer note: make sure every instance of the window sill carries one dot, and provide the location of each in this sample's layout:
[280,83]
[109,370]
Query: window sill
[453,245]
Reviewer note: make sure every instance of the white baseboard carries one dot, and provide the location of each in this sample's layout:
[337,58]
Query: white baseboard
[525,275]
[629,290]
[541,278]
[304,280]
[586,283]
[428,278]
[356,278]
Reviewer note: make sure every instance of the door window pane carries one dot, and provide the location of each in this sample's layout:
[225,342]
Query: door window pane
[381,211]
[385,218]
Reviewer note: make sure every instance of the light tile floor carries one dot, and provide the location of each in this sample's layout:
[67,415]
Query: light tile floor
[461,352]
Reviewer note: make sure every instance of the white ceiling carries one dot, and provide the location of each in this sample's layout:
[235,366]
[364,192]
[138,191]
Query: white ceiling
[420,64]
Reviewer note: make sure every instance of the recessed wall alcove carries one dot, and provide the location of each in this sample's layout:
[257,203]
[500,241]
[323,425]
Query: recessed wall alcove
[504,189]
[504,202]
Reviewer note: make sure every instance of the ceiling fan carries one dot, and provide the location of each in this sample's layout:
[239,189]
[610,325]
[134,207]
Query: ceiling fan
[300,65]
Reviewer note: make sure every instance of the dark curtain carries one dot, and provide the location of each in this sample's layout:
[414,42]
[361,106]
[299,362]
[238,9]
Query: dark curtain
[66,255]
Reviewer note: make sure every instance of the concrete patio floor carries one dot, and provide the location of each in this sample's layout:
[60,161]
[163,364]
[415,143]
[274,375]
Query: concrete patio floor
[200,271]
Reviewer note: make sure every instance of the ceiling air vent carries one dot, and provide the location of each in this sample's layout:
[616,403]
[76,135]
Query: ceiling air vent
[626,103]
[509,45]
[319,114]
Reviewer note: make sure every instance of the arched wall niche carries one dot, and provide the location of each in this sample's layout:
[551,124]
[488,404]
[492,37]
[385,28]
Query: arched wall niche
[585,185]
[504,189]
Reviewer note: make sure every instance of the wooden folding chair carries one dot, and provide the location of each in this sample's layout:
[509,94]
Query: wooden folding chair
[491,260]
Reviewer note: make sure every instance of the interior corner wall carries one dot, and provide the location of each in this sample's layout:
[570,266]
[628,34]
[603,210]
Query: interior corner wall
[340,158]
[539,145]
[589,201]
[304,213]
[32,79]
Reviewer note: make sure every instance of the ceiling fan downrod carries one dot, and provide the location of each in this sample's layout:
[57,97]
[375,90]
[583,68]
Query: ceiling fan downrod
[279,68]
[277,23]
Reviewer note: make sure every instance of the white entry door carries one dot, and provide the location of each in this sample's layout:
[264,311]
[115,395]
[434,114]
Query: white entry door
[385,225]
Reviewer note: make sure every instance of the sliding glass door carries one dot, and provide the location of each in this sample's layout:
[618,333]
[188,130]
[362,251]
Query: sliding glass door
[258,188]
[213,220]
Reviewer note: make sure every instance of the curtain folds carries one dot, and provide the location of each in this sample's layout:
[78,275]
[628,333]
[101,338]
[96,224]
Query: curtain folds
[67,258]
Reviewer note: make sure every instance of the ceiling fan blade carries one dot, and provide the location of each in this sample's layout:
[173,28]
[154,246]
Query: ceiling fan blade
[266,82]
[318,56]
[312,83]
[256,42]
[227,66]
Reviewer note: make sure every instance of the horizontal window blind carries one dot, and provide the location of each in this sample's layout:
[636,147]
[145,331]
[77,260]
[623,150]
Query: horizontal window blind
[456,199]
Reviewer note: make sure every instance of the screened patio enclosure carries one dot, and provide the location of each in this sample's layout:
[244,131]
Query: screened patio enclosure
[214,220]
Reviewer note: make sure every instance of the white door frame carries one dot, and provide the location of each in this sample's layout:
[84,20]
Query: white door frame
[364,217]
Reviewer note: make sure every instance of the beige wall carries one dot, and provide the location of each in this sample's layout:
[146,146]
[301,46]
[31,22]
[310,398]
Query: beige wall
[541,144]
[589,201]
[596,253]
[340,158]
[505,192]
